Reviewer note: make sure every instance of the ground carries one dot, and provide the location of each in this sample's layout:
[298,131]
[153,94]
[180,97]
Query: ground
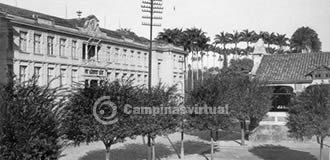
[197,147]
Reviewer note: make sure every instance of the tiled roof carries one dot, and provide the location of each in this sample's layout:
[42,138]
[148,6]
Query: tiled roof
[70,23]
[291,68]
[29,14]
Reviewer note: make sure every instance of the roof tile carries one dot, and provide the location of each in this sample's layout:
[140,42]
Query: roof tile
[291,67]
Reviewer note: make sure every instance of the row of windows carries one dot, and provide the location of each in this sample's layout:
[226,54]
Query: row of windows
[23,43]
[63,77]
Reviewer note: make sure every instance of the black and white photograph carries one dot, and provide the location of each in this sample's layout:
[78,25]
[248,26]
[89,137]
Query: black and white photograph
[164,80]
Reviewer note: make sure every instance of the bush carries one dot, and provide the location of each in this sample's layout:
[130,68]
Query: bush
[29,129]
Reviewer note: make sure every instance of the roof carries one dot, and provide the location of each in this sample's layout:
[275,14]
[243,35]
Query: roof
[291,68]
[70,23]
[76,24]
[30,14]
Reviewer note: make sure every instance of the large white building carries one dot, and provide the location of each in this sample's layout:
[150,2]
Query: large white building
[78,50]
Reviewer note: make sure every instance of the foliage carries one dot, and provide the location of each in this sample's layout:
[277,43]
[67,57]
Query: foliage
[252,99]
[174,36]
[29,122]
[244,65]
[214,91]
[158,124]
[195,40]
[305,39]
[310,115]
[81,126]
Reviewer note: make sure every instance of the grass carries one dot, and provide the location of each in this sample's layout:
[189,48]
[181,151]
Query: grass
[272,152]
[129,152]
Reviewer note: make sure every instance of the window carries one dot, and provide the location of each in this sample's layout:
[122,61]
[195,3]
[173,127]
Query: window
[62,47]
[37,71]
[101,72]
[74,50]
[23,41]
[74,75]
[22,73]
[116,75]
[145,59]
[50,45]
[108,53]
[50,74]
[36,43]
[63,76]
[317,75]
[145,78]
[124,76]
[124,56]
[109,76]
[327,75]
[139,59]
[139,78]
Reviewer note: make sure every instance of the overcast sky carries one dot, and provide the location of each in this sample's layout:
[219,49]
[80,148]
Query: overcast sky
[213,16]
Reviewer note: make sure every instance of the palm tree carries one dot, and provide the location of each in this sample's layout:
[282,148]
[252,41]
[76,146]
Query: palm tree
[235,38]
[305,39]
[248,37]
[281,41]
[272,39]
[223,38]
[196,42]
[173,36]
[265,36]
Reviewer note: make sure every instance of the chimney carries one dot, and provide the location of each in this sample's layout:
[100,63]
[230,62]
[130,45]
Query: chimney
[258,53]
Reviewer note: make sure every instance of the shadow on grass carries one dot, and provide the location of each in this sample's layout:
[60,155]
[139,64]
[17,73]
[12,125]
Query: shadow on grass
[194,147]
[129,152]
[272,152]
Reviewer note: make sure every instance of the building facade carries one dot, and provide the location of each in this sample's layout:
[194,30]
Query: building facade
[63,52]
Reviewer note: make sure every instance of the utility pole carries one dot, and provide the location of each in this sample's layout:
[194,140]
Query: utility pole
[152,8]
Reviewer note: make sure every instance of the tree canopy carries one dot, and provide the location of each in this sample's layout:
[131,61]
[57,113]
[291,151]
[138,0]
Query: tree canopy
[305,39]
[310,114]
[29,122]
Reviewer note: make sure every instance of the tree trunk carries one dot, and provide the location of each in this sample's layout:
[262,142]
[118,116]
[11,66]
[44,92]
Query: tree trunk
[182,144]
[242,134]
[197,74]
[236,53]
[225,61]
[247,48]
[202,66]
[149,148]
[321,147]
[192,71]
[153,152]
[143,140]
[217,135]
[107,152]
[212,146]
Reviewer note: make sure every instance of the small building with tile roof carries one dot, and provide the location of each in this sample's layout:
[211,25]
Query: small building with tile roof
[290,74]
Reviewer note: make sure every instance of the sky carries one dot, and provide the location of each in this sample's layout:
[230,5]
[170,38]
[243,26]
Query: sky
[212,16]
